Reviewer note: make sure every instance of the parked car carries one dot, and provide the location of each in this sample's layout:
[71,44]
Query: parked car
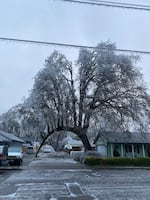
[3,155]
[47,149]
[15,155]
[30,150]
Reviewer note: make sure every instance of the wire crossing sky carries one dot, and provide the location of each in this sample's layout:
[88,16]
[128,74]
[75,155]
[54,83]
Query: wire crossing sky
[68,45]
[111,4]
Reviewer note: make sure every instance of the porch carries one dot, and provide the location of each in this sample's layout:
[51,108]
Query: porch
[128,150]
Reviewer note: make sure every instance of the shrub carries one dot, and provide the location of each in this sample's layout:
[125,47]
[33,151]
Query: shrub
[78,156]
[81,156]
[93,154]
[117,161]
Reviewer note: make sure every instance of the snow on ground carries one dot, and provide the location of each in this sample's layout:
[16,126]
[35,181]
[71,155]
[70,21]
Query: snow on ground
[34,183]
[53,160]
[100,185]
[76,185]
[9,196]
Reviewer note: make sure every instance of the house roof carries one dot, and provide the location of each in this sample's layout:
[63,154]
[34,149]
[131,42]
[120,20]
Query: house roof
[124,137]
[73,142]
[3,139]
[27,139]
[8,137]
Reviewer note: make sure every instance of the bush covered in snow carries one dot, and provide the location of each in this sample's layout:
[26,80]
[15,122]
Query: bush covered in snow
[80,156]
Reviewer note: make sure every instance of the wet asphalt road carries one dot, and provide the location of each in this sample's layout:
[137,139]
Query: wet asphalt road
[64,179]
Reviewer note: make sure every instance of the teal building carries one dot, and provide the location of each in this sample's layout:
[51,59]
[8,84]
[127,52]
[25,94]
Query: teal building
[126,144]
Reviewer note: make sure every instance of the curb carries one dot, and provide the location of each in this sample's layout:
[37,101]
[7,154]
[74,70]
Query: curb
[116,167]
[11,168]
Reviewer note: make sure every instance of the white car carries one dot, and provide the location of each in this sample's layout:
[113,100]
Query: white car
[15,155]
[30,150]
[47,149]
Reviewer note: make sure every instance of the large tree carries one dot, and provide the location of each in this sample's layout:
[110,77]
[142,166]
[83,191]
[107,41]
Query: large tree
[104,87]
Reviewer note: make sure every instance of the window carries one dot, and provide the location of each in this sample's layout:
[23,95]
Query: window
[116,152]
[128,148]
[136,148]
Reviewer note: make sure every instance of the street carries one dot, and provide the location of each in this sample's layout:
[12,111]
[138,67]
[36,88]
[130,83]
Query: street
[64,179]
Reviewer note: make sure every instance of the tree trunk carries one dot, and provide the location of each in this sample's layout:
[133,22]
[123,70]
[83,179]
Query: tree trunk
[45,138]
[43,142]
[85,141]
[57,142]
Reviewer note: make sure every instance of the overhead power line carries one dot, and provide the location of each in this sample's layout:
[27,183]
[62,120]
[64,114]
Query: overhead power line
[125,4]
[37,42]
[111,4]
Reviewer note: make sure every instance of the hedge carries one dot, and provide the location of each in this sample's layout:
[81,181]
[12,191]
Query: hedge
[117,161]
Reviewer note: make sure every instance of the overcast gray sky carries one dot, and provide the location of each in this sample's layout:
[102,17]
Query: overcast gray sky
[55,21]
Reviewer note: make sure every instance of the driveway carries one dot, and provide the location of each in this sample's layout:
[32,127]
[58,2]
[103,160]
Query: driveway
[65,179]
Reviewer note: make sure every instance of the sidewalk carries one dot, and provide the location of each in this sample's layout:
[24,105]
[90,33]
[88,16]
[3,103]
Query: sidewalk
[56,163]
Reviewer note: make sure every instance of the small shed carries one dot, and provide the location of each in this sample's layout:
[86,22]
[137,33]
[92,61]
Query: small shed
[125,144]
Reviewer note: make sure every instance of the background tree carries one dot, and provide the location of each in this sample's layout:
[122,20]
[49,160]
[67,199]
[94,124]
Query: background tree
[108,89]
[21,120]
[11,121]
[56,139]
